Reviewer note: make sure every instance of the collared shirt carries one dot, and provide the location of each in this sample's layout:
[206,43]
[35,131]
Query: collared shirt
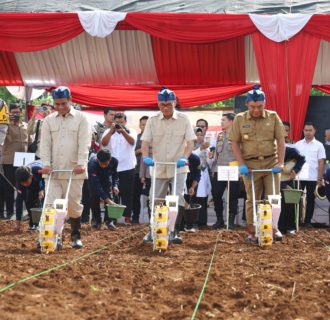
[313,152]
[123,151]
[65,142]
[168,138]
[223,152]
[257,135]
[16,141]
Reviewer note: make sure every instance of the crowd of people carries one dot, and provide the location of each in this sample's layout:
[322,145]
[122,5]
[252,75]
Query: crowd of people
[111,163]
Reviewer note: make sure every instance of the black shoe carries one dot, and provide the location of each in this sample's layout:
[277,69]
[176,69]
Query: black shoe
[218,225]
[96,226]
[307,225]
[135,221]
[76,242]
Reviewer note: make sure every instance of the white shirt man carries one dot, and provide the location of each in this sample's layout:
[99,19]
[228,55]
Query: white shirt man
[121,142]
[314,153]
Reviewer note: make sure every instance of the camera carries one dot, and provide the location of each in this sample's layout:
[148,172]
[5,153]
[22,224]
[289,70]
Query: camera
[212,149]
[118,126]
[42,108]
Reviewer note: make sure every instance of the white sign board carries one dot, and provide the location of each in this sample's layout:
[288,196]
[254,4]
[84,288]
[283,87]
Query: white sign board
[23,158]
[226,173]
[304,173]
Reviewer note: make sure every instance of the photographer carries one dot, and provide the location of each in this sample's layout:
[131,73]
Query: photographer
[121,141]
[16,141]
[34,127]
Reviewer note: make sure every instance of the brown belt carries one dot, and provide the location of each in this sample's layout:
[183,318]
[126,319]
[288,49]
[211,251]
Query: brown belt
[261,157]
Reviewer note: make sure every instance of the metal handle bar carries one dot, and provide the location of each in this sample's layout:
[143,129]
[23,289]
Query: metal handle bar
[48,184]
[157,163]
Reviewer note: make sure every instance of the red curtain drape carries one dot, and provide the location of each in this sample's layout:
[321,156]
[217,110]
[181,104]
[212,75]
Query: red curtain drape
[22,32]
[324,88]
[131,97]
[319,26]
[192,27]
[286,72]
[9,72]
[218,63]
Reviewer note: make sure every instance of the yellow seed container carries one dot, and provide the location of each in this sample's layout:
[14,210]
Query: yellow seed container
[161,231]
[266,227]
[48,219]
[48,246]
[161,214]
[47,233]
[161,244]
[266,241]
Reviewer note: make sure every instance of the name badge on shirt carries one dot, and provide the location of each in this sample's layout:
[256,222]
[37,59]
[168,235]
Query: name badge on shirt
[246,126]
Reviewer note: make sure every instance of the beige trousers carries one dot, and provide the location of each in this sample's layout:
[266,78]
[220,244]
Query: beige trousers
[263,184]
[57,190]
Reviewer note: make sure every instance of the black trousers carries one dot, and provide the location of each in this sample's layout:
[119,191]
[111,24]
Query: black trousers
[126,190]
[287,217]
[136,197]
[202,218]
[310,199]
[9,171]
[218,188]
[94,204]
[85,202]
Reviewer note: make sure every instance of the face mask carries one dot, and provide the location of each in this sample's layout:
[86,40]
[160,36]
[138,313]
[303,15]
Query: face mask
[14,117]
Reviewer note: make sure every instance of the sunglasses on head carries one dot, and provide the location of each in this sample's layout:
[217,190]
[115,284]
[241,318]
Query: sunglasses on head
[61,92]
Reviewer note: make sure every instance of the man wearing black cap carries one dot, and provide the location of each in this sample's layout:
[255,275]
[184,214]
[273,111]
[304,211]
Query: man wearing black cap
[257,137]
[171,136]
[65,140]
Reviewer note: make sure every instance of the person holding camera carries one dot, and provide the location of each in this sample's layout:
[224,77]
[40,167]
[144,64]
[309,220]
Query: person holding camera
[16,141]
[34,127]
[121,141]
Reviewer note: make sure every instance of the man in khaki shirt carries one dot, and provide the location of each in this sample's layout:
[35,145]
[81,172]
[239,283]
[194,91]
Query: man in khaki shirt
[171,136]
[257,137]
[16,141]
[65,139]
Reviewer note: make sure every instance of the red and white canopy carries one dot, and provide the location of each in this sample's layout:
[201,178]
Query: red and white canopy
[119,59]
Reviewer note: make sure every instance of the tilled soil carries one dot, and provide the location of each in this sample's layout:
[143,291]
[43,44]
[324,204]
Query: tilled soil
[124,279]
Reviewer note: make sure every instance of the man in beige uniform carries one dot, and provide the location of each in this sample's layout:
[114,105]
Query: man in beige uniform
[171,136]
[65,138]
[257,137]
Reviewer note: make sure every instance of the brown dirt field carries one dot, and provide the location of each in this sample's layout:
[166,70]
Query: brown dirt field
[290,280]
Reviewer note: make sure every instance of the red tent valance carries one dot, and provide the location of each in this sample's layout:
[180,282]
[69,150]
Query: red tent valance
[145,96]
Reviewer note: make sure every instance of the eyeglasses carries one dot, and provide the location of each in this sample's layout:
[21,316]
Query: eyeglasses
[61,92]
[201,127]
